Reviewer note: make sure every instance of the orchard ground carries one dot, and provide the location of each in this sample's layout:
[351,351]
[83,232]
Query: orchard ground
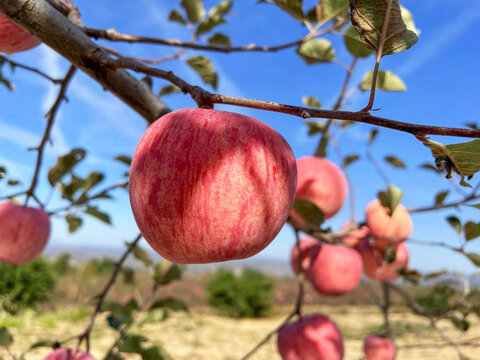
[201,334]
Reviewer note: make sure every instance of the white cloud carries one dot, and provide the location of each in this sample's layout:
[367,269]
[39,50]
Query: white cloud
[444,36]
[18,136]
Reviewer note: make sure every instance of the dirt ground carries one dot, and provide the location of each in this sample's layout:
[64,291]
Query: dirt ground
[202,335]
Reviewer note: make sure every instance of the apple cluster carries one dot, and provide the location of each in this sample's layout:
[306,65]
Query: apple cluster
[335,269]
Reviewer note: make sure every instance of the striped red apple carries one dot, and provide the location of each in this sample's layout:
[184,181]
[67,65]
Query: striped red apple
[13,38]
[69,354]
[209,186]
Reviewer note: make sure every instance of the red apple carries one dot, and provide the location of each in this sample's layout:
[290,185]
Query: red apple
[13,38]
[312,337]
[321,182]
[355,237]
[69,354]
[378,348]
[24,233]
[385,228]
[334,270]
[375,266]
[209,185]
[307,244]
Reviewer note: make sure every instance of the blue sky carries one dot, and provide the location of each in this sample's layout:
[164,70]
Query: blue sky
[441,73]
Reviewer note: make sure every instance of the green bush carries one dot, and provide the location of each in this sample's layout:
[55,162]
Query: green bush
[247,295]
[23,286]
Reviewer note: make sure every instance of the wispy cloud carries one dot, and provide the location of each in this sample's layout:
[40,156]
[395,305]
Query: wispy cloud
[18,136]
[430,47]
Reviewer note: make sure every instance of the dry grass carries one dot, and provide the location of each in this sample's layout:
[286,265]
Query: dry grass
[202,335]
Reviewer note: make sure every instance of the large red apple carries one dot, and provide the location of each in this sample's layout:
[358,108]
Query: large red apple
[209,185]
[375,266]
[378,348]
[24,233]
[13,38]
[307,244]
[69,354]
[388,228]
[312,337]
[321,182]
[334,270]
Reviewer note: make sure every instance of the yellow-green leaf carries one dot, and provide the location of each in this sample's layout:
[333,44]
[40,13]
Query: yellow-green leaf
[386,81]
[316,51]
[354,44]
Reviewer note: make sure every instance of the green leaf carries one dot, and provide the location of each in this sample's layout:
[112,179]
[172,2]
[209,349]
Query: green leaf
[354,44]
[204,68]
[3,170]
[476,206]
[350,159]
[132,343]
[386,81]
[175,16]
[311,101]
[12,182]
[215,17]
[395,162]
[462,158]
[194,9]
[309,212]
[372,135]
[221,9]
[408,20]
[327,10]
[440,197]
[473,126]
[142,255]
[6,339]
[93,211]
[127,160]
[292,7]
[368,17]
[391,197]
[41,343]
[114,357]
[155,352]
[128,275]
[316,51]
[220,40]
[472,230]
[315,127]
[94,178]
[429,166]
[435,275]
[474,258]
[411,275]
[165,272]
[170,303]
[167,90]
[65,164]
[73,222]
[455,223]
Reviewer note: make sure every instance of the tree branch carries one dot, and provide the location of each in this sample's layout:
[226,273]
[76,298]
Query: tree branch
[56,31]
[25,67]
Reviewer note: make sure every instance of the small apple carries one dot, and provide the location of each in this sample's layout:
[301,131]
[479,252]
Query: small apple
[321,182]
[69,354]
[24,232]
[378,348]
[334,270]
[13,38]
[375,266]
[313,336]
[356,236]
[307,244]
[208,185]
[388,228]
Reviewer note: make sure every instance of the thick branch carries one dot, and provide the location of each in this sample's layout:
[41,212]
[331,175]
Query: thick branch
[56,31]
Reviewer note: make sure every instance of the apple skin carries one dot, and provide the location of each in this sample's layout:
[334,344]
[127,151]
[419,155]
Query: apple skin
[321,182]
[209,186]
[376,268]
[69,354]
[354,237]
[13,38]
[312,337]
[334,270]
[24,232]
[307,244]
[387,229]
[378,348]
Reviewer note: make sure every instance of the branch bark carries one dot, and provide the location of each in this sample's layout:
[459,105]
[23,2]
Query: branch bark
[55,30]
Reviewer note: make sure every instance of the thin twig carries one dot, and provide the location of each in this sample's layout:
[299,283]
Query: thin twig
[377,166]
[386,308]
[46,135]
[420,310]
[444,206]
[25,67]
[381,42]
